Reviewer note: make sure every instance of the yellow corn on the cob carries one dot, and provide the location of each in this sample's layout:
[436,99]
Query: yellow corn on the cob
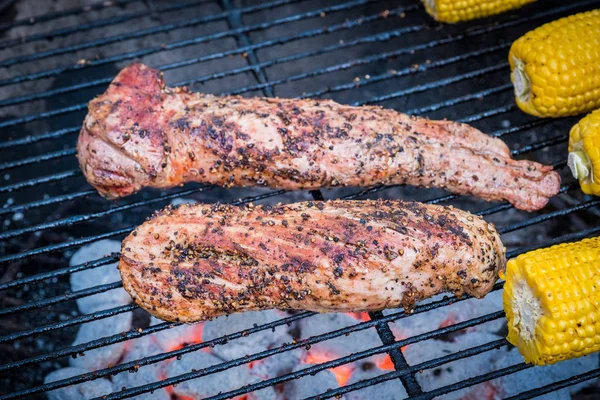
[452,11]
[556,67]
[551,298]
[584,153]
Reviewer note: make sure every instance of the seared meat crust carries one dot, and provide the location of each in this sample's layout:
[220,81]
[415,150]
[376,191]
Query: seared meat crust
[140,133]
[197,262]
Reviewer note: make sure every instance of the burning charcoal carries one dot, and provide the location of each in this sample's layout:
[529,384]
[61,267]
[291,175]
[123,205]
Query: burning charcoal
[539,376]
[341,345]
[453,314]
[98,276]
[208,385]
[370,368]
[310,385]
[278,364]
[458,370]
[107,355]
[250,344]
[86,390]
[144,346]
[177,336]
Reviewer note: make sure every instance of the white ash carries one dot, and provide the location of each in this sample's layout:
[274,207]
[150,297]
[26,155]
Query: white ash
[253,343]
[182,200]
[144,346]
[539,376]
[367,369]
[177,336]
[310,385]
[419,323]
[455,371]
[491,361]
[278,364]
[343,345]
[85,390]
[104,356]
[208,385]
[272,367]
[102,275]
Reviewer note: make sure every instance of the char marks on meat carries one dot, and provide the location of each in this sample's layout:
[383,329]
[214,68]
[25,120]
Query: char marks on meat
[196,262]
[140,133]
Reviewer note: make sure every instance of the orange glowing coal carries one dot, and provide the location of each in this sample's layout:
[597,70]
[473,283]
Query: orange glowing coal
[449,321]
[386,363]
[342,373]
[196,339]
[360,316]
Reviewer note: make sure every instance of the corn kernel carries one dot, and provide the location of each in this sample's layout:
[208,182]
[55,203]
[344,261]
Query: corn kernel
[556,67]
[554,315]
[452,11]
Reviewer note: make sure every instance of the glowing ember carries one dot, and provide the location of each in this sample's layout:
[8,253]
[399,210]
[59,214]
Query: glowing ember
[360,316]
[451,320]
[342,373]
[386,363]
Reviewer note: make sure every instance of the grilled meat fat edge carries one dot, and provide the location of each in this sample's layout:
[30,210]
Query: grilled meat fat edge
[140,133]
[196,262]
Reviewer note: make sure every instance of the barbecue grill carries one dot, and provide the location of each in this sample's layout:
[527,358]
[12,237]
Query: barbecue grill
[55,57]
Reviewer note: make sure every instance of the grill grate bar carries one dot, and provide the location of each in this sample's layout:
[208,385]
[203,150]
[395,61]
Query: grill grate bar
[42,115]
[349,24]
[40,180]
[176,45]
[459,100]
[533,124]
[89,239]
[363,61]
[38,138]
[470,352]
[45,202]
[61,298]
[530,394]
[95,24]
[91,216]
[433,85]
[489,113]
[70,322]
[63,246]
[65,13]
[397,374]
[548,216]
[387,337]
[298,56]
[60,272]
[36,159]
[472,381]
[334,68]
[347,65]
[138,34]
[121,337]
[305,34]
[234,20]
[237,31]
[294,375]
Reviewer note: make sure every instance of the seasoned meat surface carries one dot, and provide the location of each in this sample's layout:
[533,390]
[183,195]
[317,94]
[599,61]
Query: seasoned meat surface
[140,133]
[197,262]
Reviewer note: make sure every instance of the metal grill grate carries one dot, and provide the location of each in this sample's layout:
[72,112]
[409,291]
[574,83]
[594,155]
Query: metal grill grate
[357,52]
